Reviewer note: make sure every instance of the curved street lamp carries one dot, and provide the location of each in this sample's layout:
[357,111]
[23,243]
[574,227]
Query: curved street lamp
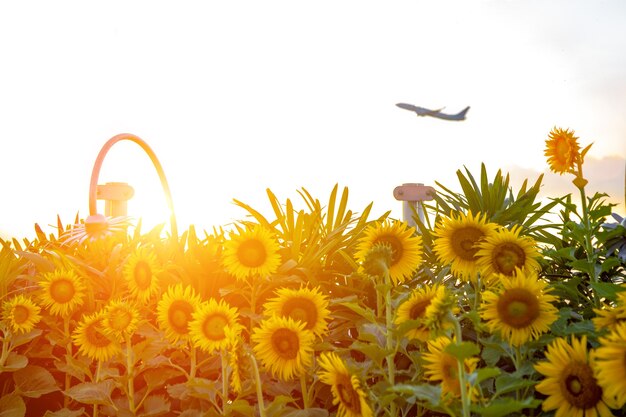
[118,193]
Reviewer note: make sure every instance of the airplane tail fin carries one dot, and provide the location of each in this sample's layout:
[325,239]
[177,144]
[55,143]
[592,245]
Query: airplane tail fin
[463,112]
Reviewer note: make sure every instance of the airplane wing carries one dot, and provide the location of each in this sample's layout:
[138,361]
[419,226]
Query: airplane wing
[421,111]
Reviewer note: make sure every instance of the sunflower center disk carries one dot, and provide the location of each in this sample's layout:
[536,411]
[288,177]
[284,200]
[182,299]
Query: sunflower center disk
[62,291]
[143,275]
[579,387]
[508,256]
[180,315]
[251,253]
[518,307]
[214,327]
[464,242]
[349,398]
[20,314]
[418,309]
[120,320]
[95,337]
[394,243]
[286,343]
[301,310]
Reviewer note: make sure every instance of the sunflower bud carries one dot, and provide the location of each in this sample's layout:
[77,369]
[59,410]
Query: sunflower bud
[579,182]
[378,260]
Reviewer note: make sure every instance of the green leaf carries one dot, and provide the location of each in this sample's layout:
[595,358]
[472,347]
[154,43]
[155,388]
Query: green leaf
[462,350]
[34,381]
[278,404]
[505,407]
[155,405]
[483,374]
[92,392]
[308,412]
[14,362]
[65,412]
[366,313]
[12,405]
[507,383]
[422,392]
[607,289]
[241,407]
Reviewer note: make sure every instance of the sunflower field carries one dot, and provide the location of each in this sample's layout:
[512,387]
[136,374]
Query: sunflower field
[493,304]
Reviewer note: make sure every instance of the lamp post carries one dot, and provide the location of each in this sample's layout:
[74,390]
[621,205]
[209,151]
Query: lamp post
[412,195]
[117,194]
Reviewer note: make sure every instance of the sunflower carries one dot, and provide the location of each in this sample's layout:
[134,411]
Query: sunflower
[175,311]
[406,247]
[140,272]
[504,251]
[284,346]
[437,314]
[456,242]
[519,308]
[214,325]
[442,367]
[309,306]
[610,364]
[414,308]
[21,314]
[63,292]
[236,361]
[345,387]
[121,319]
[93,340]
[562,150]
[569,382]
[96,227]
[254,251]
[609,318]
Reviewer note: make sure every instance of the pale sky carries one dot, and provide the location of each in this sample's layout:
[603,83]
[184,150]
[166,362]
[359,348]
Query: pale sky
[236,97]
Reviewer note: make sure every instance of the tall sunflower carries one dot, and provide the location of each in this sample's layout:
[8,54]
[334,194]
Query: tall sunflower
[21,314]
[284,346]
[121,319]
[175,311]
[405,244]
[610,364]
[307,305]
[93,340]
[414,308]
[345,387]
[63,292]
[569,381]
[504,251]
[562,150]
[519,308]
[253,251]
[141,271]
[442,367]
[610,317]
[456,242]
[214,325]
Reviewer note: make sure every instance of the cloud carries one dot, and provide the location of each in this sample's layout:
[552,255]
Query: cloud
[605,175]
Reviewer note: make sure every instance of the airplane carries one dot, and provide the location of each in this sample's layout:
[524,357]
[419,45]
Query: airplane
[420,111]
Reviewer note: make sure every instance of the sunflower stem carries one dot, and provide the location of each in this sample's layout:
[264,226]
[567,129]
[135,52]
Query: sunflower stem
[130,374]
[588,244]
[259,387]
[192,359]
[68,352]
[224,379]
[305,392]
[391,366]
[461,368]
[96,409]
